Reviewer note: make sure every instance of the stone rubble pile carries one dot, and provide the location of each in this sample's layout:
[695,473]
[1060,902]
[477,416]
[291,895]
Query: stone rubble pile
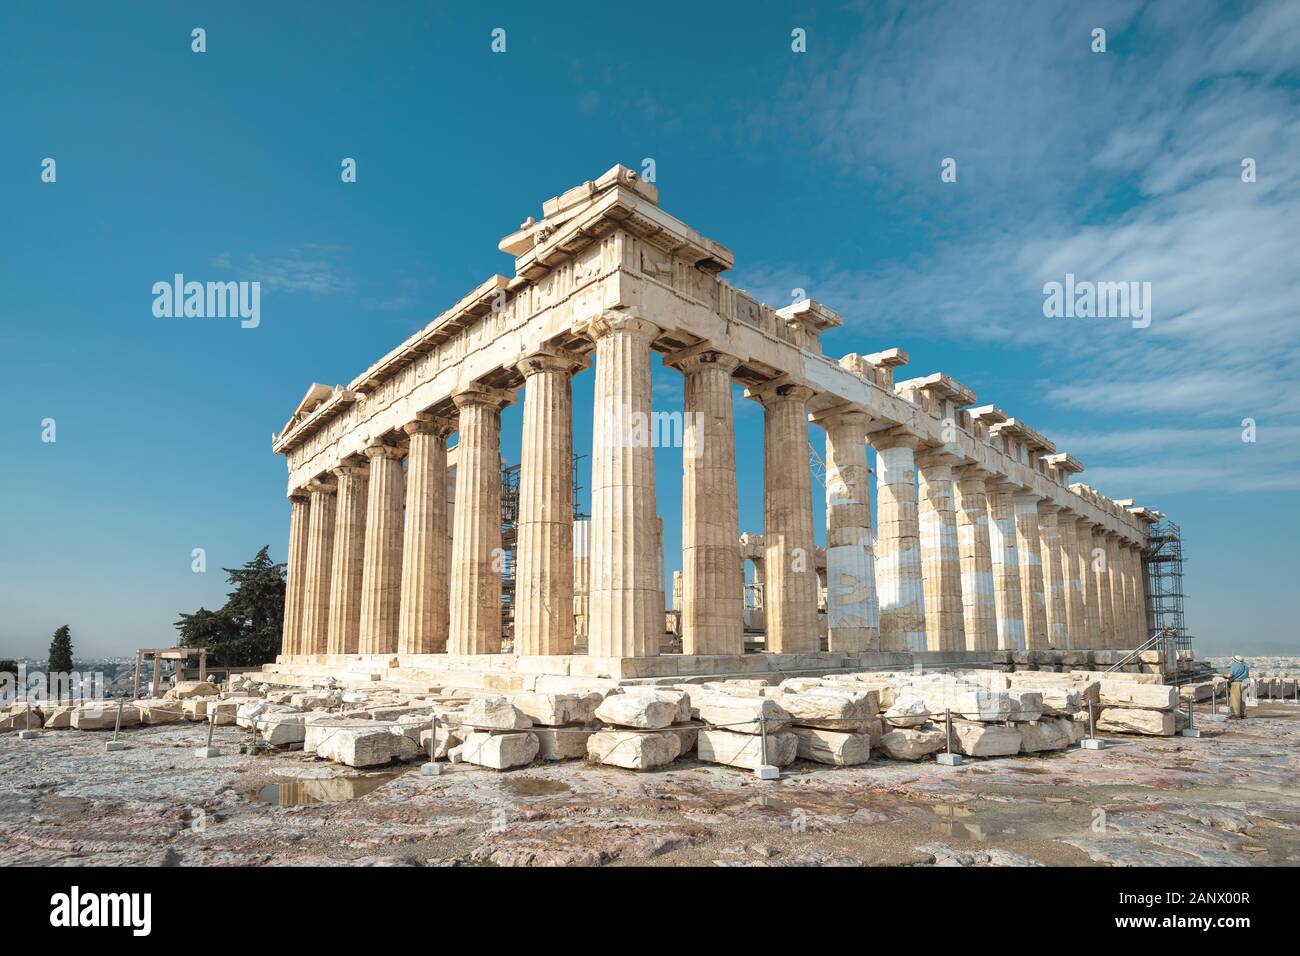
[837,720]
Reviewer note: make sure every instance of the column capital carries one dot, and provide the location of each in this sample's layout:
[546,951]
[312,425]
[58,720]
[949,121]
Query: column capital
[846,415]
[625,321]
[1046,506]
[381,450]
[551,359]
[702,355]
[299,496]
[322,486]
[893,438]
[350,469]
[931,457]
[476,394]
[779,390]
[426,424]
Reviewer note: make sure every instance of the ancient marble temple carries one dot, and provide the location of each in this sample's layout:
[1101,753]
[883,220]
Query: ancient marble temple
[982,539]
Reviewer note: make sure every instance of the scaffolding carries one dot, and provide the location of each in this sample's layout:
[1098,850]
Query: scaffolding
[510,540]
[1162,564]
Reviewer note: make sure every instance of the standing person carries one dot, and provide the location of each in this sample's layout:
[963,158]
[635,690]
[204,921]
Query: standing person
[1238,676]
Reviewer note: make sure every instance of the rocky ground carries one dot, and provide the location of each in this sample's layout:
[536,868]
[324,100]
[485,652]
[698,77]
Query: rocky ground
[1229,798]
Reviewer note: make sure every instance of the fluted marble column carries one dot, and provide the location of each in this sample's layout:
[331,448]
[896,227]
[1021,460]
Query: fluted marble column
[1033,596]
[422,618]
[1140,594]
[789,550]
[1101,577]
[1005,558]
[381,570]
[296,585]
[979,607]
[1091,623]
[713,574]
[320,555]
[899,581]
[1054,592]
[1131,591]
[1115,574]
[940,553]
[1076,628]
[476,559]
[349,558]
[626,594]
[852,608]
[544,566]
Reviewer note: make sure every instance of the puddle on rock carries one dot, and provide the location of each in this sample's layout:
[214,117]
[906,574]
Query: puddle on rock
[296,793]
[534,786]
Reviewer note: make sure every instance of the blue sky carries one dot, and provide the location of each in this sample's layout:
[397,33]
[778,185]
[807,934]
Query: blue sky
[820,170]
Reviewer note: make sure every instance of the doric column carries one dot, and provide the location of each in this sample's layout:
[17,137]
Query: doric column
[713,575]
[349,558]
[296,585]
[852,611]
[320,555]
[979,608]
[381,568]
[790,558]
[1076,621]
[422,618]
[899,582]
[1053,558]
[475,606]
[1100,563]
[1131,604]
[626,596]
[1091,638]
[940,553]
[1115,574]
[1140,596]
[544,560]
[1032,594]
[581,583]
[1005,558]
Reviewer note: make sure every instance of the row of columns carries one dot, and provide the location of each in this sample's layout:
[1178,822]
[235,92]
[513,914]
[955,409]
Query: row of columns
[968,562]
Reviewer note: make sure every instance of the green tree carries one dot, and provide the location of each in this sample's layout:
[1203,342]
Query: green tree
[246,631]
[60,664]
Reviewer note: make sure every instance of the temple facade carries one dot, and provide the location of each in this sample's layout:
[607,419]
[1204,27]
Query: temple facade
[983,541]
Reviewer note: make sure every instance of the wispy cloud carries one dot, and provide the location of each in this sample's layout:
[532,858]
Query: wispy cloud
[1155,132]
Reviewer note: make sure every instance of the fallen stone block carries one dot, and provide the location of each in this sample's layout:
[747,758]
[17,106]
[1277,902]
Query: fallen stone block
[1122,693]
[361,746]
[558,710]
[909,711]
[224,712]
[248,712]
[633,750]
[984,740]
[832,747]
[1131,720]
[831,708]
[688,737]
[448,737]
[495,713]
[103,716]
[674,695]
[913,743]
[58,718]
[192,688]
[1026,705]
[1040,735]
[196,708]
[562,743]
[637,710]
[740,715]
[499,751]
[163,711]
[745,750]
[20,717]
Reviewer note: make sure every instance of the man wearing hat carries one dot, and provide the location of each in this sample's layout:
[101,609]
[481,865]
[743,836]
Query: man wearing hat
[1238,676]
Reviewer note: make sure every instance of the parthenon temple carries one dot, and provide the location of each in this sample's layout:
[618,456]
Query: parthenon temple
[983,541]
